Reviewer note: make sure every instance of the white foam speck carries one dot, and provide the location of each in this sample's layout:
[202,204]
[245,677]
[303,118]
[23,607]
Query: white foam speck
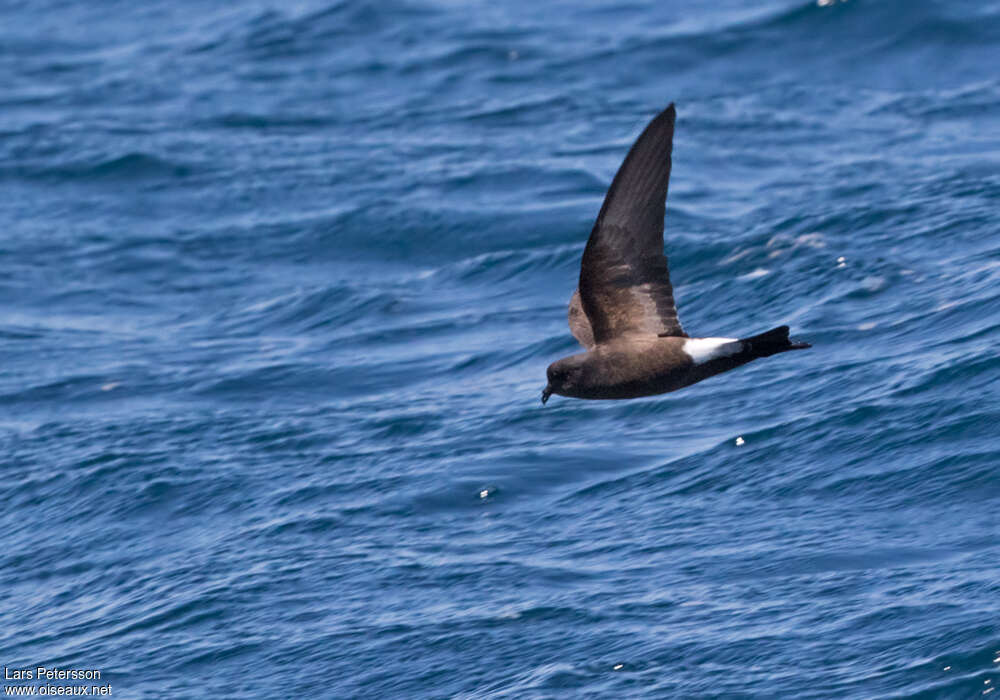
[812,240]
[736,256]
[759,272]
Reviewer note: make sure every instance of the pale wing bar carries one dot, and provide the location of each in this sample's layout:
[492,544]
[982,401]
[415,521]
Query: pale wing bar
[579,326]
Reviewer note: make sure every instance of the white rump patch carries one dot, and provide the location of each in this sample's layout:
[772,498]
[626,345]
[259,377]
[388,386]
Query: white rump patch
[702,350]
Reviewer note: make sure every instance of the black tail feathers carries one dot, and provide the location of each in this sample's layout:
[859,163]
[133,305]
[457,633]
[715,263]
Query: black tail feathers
[771,343]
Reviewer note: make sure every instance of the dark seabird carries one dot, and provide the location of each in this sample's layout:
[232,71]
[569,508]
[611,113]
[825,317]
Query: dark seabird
[623,312]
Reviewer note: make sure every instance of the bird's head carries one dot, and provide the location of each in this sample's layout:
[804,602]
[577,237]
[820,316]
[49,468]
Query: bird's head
[564,377]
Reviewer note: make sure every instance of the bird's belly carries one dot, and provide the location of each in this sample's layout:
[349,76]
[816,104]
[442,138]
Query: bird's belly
[646,371]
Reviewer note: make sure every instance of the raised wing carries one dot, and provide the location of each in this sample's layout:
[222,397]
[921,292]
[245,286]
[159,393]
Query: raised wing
[624,281]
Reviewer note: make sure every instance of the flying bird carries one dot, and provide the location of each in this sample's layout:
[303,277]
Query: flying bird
[623,310]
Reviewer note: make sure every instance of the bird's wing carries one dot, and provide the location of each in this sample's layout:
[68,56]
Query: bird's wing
[579,326]
[624,281]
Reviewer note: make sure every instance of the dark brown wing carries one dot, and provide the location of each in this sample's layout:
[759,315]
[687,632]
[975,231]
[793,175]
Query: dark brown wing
[624,281]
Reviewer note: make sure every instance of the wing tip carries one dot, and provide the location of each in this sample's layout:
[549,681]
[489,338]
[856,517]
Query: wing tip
[662,125]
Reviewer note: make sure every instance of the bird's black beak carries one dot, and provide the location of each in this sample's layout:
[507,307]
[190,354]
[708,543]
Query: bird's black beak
[546,393]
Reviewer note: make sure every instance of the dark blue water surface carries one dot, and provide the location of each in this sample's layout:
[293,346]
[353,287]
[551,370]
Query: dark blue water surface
[280,282]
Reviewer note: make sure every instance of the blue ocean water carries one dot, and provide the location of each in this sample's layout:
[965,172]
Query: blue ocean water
[281,281]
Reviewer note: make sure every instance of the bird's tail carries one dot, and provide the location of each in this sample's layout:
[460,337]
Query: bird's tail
[771,343]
